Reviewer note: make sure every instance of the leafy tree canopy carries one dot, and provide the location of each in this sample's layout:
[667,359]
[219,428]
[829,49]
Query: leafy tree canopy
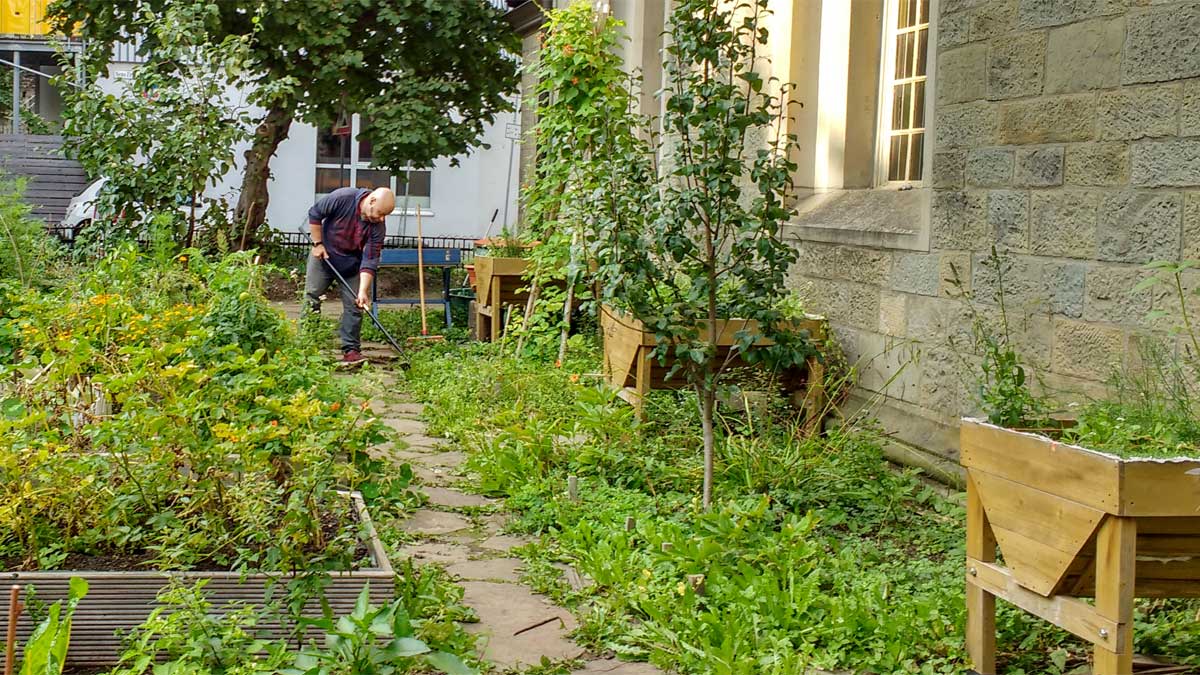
[427,75]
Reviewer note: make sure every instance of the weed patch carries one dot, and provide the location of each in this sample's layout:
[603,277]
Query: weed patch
[815,554]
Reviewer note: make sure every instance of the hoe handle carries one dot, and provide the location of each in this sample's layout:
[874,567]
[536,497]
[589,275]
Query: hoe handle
[14,613]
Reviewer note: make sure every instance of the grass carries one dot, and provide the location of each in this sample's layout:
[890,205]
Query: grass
[816,554]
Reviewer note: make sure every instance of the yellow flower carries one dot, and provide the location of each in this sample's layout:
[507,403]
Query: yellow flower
[681,588]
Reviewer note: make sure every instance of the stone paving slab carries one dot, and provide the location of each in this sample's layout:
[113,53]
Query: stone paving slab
[425,521]
[436,552]
[406,425]
[455,499]
[451,459]
[406,408]
[505,609]
[420,440]
[502,542]
[431,476]
[496,569]
[616,667]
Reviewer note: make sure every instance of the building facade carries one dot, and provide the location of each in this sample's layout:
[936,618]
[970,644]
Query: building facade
[1064,134]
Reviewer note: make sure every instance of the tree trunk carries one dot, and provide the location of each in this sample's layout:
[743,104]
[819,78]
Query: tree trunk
[708,399]
[252,204]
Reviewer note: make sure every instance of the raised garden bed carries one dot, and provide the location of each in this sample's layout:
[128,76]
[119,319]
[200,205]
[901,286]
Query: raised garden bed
[630,369]
[117,602]
[499,282]
[1073,523]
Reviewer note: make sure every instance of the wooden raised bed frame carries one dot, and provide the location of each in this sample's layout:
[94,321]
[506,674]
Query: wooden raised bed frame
[1073,523]
[499,282]
[633,372]
[121,601]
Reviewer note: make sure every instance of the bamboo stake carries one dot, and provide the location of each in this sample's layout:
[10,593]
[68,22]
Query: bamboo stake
[562,340]
[534,290]
[14,613]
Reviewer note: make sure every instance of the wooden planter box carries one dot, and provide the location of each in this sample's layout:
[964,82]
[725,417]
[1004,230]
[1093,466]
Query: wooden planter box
[118,602]
[499,283]
[1073,523]
[629,368]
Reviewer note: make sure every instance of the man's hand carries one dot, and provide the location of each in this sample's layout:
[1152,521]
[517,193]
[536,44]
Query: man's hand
[363,300]
[320,252]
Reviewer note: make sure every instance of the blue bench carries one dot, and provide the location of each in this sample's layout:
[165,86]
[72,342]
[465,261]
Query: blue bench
[444,258]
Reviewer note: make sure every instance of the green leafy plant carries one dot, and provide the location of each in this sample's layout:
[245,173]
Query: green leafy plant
[372,640]
[814,555]
[1153,408]
[45,652]
[1003,384]
[183,635]
[165,413]
[26,252]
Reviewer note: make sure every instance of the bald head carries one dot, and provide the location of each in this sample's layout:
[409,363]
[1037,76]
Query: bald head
[377,205]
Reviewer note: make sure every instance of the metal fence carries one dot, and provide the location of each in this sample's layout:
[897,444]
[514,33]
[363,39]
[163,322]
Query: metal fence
[291,248]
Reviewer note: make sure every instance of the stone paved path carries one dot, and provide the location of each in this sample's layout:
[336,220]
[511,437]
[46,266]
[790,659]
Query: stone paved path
[464,533]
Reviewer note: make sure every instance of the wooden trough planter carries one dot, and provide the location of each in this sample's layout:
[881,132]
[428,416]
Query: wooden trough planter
[1072,523]
[630,369]
[118,602]
[499,282]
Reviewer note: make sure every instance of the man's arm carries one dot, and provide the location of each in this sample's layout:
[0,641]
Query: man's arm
[316,216]
[372,254]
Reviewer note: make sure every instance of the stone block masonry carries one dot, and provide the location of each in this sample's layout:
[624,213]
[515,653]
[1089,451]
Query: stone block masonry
[1066,135]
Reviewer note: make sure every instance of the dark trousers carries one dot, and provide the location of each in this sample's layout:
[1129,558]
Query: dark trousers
[318,279]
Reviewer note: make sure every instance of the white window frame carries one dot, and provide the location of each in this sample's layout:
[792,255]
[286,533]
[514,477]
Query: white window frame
[423,203]
[887,80]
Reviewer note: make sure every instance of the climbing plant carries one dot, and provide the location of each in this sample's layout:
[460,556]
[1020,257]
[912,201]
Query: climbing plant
[704,241]
[586,119]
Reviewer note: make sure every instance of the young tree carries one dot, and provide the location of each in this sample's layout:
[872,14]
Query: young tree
[427,75]
[170,131]
[704,242]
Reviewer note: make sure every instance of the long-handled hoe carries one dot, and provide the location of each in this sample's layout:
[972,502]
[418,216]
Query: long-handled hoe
[374,319]
[10,643]
[425,336]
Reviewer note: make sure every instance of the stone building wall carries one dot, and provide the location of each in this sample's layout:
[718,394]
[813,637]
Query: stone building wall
[1067,135]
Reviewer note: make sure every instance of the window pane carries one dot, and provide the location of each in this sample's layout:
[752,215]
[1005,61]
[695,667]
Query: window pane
[922,40]
[904,55]
[918,104]
[419,187]
[329,180]
[924,13]
[895,167]
[366,151]
[899,107]
[907,14]
[374,178]
[917,156]
[332,149]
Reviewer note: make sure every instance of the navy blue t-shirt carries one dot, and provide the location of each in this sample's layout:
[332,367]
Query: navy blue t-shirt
[352,243]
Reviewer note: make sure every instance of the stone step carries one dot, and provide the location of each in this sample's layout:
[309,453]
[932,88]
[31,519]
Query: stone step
[455,499]
[509,617]
[429,522]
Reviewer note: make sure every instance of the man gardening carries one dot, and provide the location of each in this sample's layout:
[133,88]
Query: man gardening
[347,228]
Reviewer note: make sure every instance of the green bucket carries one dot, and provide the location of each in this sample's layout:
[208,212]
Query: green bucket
[460,304]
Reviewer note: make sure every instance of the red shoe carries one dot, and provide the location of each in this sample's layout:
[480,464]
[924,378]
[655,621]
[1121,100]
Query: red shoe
[352,357]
